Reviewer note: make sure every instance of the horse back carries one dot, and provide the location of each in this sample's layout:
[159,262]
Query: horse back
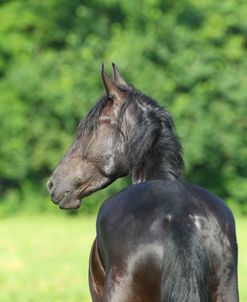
[167,241]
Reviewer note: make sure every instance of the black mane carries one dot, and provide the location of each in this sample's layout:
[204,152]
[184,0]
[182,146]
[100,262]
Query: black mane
[153,133]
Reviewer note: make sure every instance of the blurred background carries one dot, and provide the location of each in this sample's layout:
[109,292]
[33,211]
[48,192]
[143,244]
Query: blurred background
[189,55]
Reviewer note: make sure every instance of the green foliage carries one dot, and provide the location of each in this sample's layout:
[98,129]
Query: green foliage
[189,55]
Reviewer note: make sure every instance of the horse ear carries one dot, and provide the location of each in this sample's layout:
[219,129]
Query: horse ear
[117,76]
[111,88]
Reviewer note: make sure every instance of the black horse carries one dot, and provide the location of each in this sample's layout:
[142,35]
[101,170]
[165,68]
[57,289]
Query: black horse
[161,239]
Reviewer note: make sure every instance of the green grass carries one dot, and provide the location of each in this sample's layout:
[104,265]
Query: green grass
[241,225]
[45,258]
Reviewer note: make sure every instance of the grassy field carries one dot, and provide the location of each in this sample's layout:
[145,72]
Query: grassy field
[45,258]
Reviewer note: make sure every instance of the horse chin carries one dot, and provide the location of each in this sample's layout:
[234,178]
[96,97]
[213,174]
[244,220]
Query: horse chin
[69,203]
[72,200]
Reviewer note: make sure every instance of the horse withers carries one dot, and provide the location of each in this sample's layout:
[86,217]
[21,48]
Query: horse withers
[161,239]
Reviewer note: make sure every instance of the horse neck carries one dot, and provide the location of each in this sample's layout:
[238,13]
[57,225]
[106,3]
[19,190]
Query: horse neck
[153,151]
[161,163]
[148,172]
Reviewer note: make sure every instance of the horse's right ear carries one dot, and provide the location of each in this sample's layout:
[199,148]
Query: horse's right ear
[117,76]
[111,88]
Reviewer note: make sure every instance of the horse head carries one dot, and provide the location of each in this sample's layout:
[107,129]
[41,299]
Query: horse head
[97,156]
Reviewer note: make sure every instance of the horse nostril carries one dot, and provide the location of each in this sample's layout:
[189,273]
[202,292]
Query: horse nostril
[49,185]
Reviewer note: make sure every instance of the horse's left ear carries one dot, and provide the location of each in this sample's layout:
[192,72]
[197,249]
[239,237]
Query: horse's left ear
[111,88]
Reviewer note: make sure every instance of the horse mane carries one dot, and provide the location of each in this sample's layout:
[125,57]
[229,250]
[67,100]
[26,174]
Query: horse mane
[152,132]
